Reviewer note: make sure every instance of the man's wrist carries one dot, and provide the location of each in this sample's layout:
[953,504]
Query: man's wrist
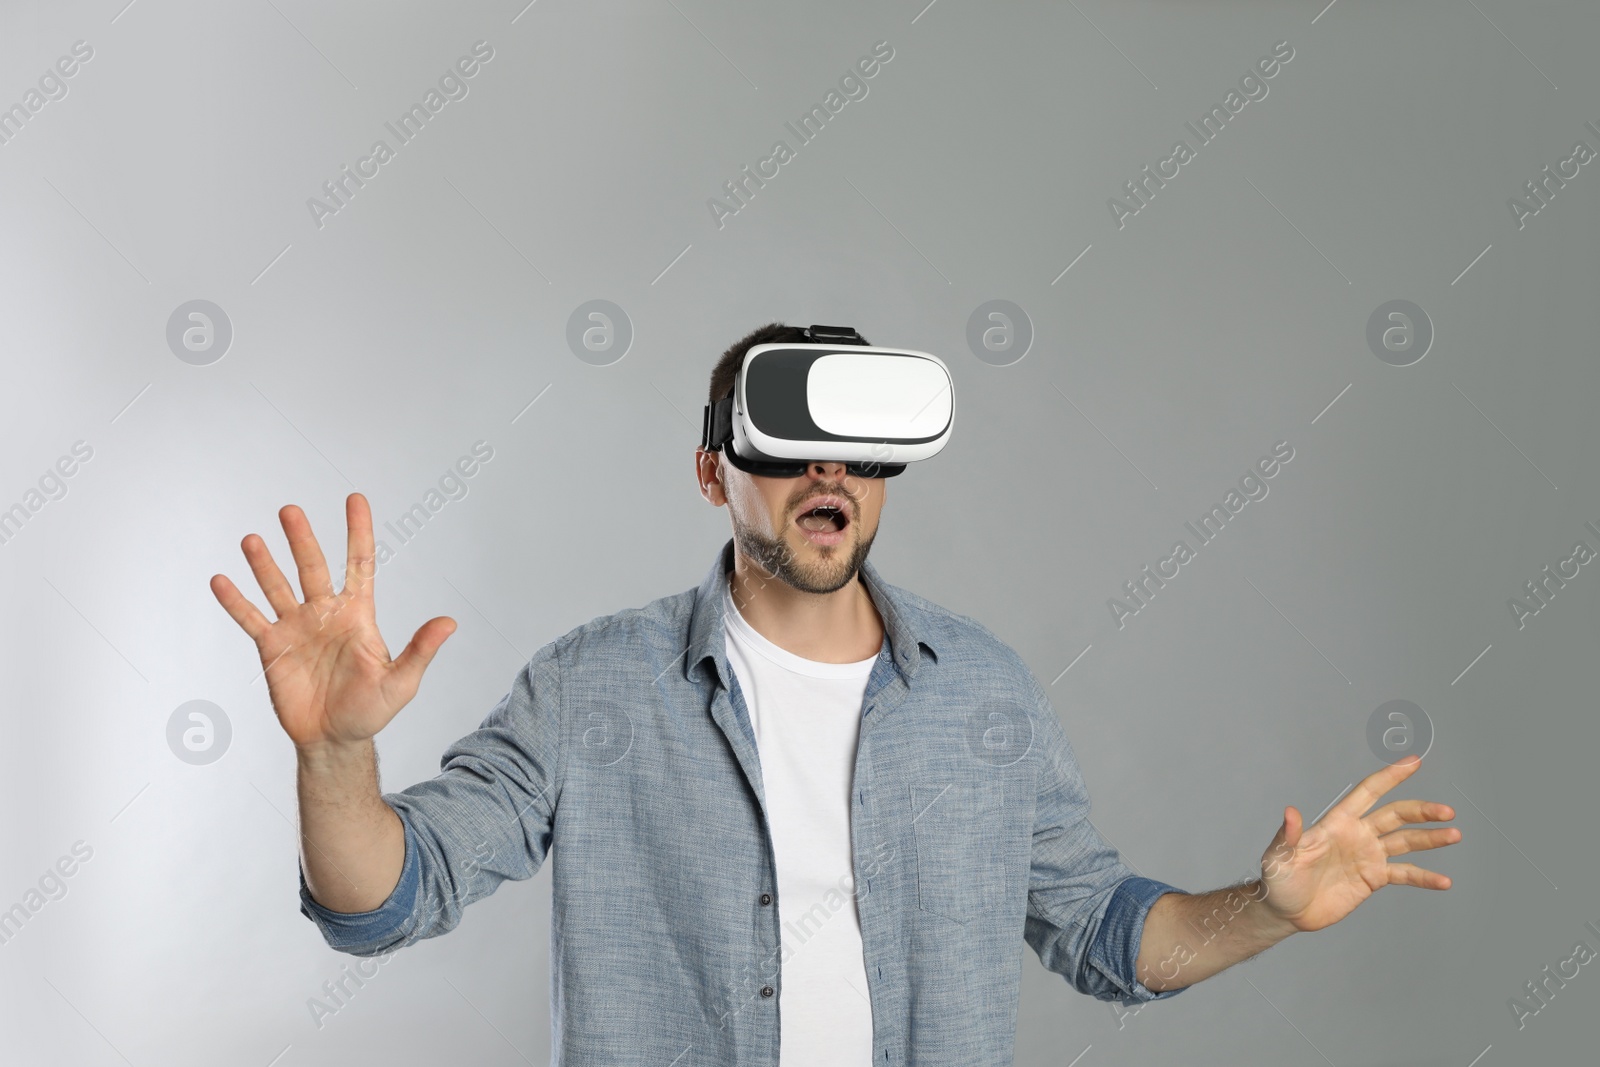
[1269,923]
[333,755]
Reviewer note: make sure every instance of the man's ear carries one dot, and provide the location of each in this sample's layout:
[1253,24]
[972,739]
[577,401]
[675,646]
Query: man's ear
[708,472]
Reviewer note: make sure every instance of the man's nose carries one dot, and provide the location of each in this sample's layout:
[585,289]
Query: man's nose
[826,468]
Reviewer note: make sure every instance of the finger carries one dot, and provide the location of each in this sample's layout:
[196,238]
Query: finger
[410,664]
[278,591]
[314,580]
[360,559]
[1402,841]
[246,614]
[1397,813]
[1374,785]
[1411,874]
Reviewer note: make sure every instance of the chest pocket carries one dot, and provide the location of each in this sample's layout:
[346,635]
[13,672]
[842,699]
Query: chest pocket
[956,826]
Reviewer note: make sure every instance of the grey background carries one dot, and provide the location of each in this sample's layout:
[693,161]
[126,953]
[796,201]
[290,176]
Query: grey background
[1226,316]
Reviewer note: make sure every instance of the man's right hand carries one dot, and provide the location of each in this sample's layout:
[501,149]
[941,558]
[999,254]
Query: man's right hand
[328,671]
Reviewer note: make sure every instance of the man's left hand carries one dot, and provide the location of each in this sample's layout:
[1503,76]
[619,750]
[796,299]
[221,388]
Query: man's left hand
[1315,878]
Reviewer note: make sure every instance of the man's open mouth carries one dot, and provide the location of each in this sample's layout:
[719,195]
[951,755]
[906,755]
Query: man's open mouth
[823,519]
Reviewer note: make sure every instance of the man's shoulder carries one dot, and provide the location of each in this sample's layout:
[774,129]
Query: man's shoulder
[631,637]
[958,639]
[664,618]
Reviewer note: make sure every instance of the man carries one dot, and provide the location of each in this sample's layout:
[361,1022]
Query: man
[795,816]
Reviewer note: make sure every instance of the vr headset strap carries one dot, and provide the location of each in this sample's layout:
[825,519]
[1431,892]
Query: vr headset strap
[716,427]
[839,334]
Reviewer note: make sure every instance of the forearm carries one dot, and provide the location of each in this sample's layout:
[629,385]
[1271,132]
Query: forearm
[352,844]
[1191,937]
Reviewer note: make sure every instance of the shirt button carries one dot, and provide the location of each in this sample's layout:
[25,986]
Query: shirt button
[766,991]
[766,898]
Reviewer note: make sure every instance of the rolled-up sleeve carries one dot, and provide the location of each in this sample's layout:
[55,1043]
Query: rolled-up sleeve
[1086,908]
[1116,945]
[367,933]
[485,818]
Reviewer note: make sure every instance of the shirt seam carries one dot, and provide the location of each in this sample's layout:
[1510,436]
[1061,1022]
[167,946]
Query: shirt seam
[561,736]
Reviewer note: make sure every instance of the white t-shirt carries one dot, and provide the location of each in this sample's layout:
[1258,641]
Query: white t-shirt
[807,717]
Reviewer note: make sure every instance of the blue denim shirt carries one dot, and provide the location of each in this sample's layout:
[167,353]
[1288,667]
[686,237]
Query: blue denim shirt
[624,754]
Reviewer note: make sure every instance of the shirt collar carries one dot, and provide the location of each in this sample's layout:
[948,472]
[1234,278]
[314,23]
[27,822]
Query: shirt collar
[907,629]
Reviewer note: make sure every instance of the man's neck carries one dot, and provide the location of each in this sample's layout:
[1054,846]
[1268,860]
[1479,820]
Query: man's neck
[838,627]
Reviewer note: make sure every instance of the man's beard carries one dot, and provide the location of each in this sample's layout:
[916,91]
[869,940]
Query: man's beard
[775,557]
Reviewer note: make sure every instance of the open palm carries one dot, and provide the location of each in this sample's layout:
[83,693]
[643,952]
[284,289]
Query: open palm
[328,670]
[1316,878]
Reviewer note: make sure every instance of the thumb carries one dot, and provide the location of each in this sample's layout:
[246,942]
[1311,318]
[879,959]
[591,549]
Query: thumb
[1283,842]
[410,664]
[1292,825]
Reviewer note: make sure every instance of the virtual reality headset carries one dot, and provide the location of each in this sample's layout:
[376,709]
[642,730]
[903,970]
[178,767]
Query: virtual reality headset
[834,398]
